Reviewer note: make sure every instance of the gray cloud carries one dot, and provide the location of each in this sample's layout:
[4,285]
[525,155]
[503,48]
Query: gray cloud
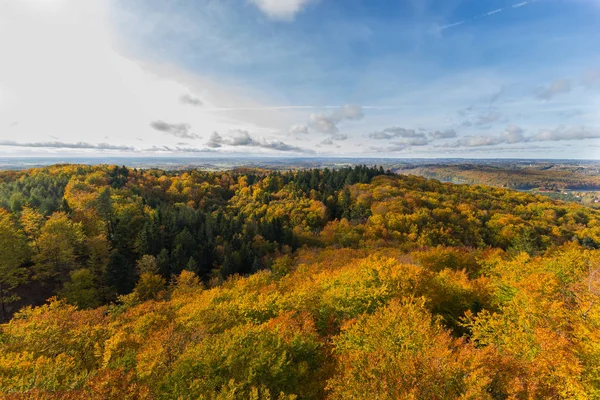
[514,134]
[280,146]
[396,132]
[557,87]
[388,149]
[215,140]
[191,100]
[62,145]
[563,133]
[243,138]
[328,123]
[192,150]
[298,129]
[181,131]
[417,141]
[330,140]
[340,136]
[408,138]
[447,134]
[497,149]
[178,149]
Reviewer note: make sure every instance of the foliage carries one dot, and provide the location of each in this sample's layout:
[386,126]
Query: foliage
[352,283]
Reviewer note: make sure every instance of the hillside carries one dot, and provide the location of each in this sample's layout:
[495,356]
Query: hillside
[348,283]
[518,176]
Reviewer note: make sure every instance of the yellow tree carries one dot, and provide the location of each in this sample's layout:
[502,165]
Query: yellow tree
[399,352]
[59,241]
[32,221]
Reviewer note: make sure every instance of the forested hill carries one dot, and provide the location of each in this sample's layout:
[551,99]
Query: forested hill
[347,283]
[521,177]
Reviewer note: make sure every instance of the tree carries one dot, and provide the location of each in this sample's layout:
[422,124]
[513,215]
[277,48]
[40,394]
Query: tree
[81,289]
[13,253]
[32,222]
[147,265]
[105,210]
[191,265]
[59,242]
[120,273]
[399,352]
[149,287]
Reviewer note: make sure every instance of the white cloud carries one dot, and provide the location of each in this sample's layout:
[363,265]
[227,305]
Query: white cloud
[514,135]
[322,123]
[328,123]
[284,10]
[511,135]
[60,75]
[348,111]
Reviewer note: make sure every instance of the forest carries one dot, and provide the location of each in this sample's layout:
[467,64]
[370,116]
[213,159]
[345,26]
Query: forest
[347,283]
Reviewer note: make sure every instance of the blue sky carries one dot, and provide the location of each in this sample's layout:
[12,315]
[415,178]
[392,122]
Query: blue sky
[389,78]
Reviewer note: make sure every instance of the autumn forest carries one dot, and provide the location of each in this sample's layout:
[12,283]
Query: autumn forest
[347,283]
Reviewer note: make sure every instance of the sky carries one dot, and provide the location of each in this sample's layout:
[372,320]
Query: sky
[288,78]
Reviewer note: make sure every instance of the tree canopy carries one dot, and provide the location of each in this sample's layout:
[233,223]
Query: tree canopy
[346,283]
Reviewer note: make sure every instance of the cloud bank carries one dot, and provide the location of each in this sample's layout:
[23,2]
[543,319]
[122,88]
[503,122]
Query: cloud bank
[63,145]
[243,138]
[514,134]
[396,132]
